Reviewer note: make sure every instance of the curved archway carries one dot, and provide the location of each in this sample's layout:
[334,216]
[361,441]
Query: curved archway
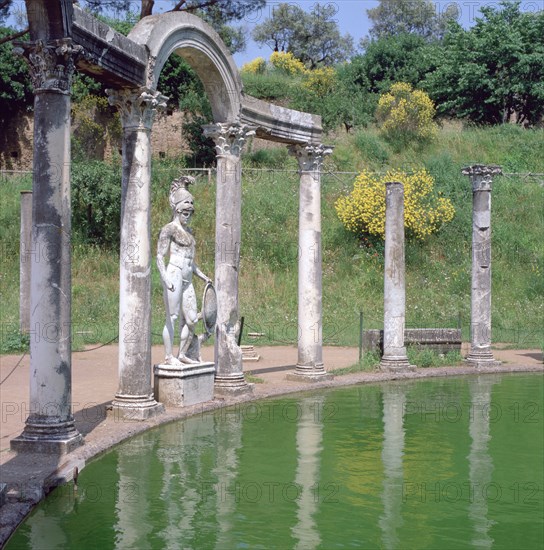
[197,42]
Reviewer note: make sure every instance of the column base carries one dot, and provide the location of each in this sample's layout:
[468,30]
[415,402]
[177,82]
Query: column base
[232,386]
[47,438]
[396,364]
[305,373]
[135,407]
[481,357]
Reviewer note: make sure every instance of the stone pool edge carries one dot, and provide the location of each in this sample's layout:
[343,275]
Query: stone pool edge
[22,493]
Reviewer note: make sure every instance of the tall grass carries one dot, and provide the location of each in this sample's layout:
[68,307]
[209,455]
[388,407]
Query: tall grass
[438,270]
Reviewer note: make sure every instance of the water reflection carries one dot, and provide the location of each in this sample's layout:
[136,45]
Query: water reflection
[132,525]
[228,440]
[480,461]
[394,401]
[258,476]
[309,446]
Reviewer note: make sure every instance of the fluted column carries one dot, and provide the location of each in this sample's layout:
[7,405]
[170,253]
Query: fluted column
[50,425]
[134,399]
[394,293]
[229,140]
[481,178]
[310,318]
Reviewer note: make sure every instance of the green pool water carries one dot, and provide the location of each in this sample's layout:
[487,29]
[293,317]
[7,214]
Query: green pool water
[438,463]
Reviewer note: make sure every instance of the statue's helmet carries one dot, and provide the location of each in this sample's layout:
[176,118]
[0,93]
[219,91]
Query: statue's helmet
[179,191]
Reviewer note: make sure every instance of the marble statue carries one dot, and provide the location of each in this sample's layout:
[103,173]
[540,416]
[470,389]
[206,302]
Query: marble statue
[176,239]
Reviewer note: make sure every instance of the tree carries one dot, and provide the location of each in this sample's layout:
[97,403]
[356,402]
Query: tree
[231,9]
[419,17]
[15,89]
[4,9]
[403,57]
[312,37]
[493,72]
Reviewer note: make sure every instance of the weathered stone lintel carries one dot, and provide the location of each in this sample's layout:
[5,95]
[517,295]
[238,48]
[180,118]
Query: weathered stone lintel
[441,340]
[281,124]
[118,61]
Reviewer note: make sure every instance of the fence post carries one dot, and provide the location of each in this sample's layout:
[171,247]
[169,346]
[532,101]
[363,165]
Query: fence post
[360,337]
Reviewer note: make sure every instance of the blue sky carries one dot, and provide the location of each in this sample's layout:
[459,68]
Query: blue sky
[352,18]
[350,14]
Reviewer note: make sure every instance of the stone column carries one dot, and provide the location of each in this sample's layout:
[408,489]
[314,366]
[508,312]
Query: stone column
[481,177]
[25,254]
[134,399]
[50,425]
[229,139]
[394,298]
[310,320]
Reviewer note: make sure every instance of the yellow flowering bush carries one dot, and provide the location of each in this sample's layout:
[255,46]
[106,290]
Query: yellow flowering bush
[363,210]
[320,81]
[256,66]
[287,63]
[406,114]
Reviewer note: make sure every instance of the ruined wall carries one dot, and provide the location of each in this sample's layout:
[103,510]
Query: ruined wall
[16,140]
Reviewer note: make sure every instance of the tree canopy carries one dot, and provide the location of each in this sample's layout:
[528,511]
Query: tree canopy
[393,17]
[493,72]
[397,58]
[313,37]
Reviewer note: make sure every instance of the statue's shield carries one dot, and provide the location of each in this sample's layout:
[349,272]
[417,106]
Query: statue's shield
[209,308]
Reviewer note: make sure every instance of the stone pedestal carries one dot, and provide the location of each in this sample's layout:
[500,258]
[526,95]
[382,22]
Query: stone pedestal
[481,178]
[394,298]
[50,426]
[229,139]
[309,366]
[182,386]
[249,353]
[134,399]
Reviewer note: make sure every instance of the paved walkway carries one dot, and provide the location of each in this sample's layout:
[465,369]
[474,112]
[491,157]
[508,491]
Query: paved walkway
[29,477]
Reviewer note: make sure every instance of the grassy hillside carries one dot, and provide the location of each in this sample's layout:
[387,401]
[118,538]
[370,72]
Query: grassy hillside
[438,270]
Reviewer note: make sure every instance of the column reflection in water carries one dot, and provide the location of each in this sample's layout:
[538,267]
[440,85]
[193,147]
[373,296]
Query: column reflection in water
[228,441]
[394,400]
[480,463]
[309,446]
[133,524]
[182,467]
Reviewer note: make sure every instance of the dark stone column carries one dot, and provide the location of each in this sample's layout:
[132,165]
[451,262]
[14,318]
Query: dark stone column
[394,293]
[50,425]
[309,366]
[134,399]
[229,139]
[25,256]
[481,177]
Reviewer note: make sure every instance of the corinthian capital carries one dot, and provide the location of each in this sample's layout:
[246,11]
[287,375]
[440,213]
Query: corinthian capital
[138,106]
[51,64]
[481,175]
[310,157]
[229,137]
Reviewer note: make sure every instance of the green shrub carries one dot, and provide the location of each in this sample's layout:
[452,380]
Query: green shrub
[272,86]
[96,202]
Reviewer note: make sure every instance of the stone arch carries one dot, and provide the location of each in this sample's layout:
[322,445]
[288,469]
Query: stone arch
[197,43]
